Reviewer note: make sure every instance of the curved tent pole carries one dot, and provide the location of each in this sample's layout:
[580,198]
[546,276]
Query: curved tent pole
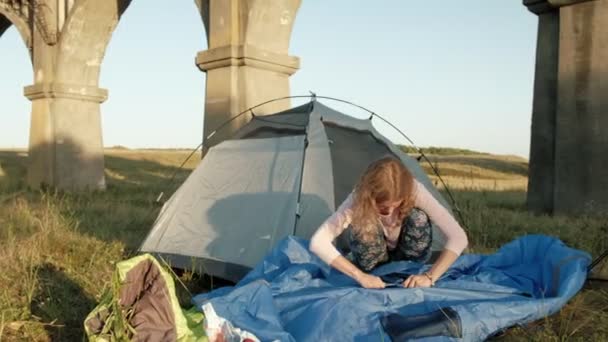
[250,109]
[456,208]
[221,126]
[202,144]
[597,260]
[312,98]
[447,189]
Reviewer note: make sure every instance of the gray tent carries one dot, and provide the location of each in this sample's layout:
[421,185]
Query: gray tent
[281,174]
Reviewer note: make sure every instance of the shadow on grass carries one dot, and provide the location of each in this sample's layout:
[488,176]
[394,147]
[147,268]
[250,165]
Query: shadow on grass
[142,174]
[128,208]
[13,170]
[61,304]
[513,200]
[123,212]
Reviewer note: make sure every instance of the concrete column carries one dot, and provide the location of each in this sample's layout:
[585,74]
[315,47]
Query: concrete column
[542,142]
[66,148]
[581,147]
[569,147]
[247,61]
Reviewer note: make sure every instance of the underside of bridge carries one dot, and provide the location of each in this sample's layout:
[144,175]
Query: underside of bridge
[569,143]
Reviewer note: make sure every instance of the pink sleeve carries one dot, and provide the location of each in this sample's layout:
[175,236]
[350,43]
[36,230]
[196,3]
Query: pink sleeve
[456,238]
[321,241]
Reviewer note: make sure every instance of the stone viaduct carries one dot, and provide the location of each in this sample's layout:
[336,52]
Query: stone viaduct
[248,42]
[247,63]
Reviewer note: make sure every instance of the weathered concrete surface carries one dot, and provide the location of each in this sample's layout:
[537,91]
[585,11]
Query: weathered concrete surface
[581,149]
[569,147]
[542,141]
[67,41]
[65,149]
[14,13]
[247,61]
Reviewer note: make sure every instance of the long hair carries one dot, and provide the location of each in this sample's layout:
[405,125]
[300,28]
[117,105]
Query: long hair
[386,179]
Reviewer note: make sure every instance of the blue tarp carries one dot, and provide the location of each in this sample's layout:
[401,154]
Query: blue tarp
[293,296]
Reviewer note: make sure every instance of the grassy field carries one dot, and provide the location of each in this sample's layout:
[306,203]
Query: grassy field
[57,250]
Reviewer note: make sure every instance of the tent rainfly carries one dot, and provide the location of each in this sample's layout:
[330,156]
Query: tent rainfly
[280,174]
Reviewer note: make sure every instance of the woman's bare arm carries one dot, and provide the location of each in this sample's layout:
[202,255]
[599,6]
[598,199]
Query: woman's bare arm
[367,281]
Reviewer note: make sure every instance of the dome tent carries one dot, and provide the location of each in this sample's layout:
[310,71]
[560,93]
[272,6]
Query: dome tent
[280,174]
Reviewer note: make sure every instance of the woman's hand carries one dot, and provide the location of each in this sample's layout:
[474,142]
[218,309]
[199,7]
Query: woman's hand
[419,280]
[369,281]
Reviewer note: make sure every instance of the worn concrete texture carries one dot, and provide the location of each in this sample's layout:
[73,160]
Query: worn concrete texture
[581,147]
[67,41]
[247,63]
[542,140]
[569,146]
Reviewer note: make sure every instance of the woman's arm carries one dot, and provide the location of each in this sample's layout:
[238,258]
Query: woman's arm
[321,241]
[456,238]
[367,281]
[321,244]
[445,260]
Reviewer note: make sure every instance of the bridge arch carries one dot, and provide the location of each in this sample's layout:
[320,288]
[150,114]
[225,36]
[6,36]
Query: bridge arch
[16,15]
[15,71]
[155,56]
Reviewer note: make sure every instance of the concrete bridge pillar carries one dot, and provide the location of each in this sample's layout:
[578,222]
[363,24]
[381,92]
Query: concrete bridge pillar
[67,41]
[569,143]
[65,147]
[247,62]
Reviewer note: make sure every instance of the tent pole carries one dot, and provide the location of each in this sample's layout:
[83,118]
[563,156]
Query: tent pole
[313,98]
[422,155]
[597,261]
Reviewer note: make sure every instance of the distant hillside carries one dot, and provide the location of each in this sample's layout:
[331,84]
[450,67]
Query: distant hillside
[459,168]
[441,150]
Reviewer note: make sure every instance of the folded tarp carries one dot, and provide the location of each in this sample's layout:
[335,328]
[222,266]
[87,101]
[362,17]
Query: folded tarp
[292,296]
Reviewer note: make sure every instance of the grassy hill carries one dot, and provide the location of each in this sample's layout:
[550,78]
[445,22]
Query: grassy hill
[57,250]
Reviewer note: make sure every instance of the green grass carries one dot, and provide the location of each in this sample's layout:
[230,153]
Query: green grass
[57,250]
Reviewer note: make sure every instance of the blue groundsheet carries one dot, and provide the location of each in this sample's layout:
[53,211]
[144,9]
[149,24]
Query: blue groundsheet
[293,296]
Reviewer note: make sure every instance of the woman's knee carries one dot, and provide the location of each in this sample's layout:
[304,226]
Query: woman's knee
[417,219]
[367,253]
[417,237]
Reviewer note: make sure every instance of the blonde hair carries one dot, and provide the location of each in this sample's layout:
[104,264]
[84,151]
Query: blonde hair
[386,179]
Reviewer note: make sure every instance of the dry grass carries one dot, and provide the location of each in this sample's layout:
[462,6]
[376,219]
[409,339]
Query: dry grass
[57,250]
[480,172]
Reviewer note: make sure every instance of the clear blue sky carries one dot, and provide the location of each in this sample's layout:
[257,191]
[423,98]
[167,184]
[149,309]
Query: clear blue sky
[449,73]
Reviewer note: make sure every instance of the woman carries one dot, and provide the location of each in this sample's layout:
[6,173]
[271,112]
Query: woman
[390,215]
